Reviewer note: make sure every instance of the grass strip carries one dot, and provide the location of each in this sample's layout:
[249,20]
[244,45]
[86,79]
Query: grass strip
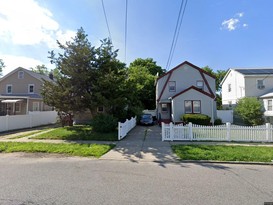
[26,134]
[82,150]
[224,153]
[78,132]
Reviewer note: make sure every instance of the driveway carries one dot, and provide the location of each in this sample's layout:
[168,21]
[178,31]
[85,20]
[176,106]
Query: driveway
[143,143]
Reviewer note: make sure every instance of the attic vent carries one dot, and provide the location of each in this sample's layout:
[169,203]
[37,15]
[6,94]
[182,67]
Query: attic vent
[20,74]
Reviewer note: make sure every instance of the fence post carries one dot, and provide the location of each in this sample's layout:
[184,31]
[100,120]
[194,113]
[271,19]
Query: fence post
[163,130]
[171,131]
[267,126]
[119,130]
[228,131]
[190,131]
[7,123]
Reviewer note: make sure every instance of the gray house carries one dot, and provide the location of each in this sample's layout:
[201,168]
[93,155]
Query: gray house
[20,92]
[185,89]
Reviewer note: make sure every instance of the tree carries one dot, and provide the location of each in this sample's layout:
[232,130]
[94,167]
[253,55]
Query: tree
[143,73]
[41,69]
[2,65]
[88,77]
[250,109]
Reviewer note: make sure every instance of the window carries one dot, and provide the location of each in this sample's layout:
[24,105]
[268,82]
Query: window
[35,106]
[229,87]
[30,88]
[192,106]
[269,105]
[17,107]
[172,86]
[164,107]
[100,109]
[9,89]
[200,84]
[260,84]
[20,74]
[229,104]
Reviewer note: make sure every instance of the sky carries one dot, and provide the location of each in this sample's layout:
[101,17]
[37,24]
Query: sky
[221,34]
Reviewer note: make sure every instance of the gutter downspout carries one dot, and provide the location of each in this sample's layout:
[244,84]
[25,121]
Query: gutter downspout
[27,105]
[212,110]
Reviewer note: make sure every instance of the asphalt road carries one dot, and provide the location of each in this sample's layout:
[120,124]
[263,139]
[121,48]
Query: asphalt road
[37,179]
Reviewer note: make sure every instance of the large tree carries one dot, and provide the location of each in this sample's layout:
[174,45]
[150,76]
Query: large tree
[88,77]
[2,65]
[41,69]
[143,73]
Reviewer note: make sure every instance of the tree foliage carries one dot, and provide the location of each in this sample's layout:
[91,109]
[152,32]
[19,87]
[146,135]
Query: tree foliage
[2,65]
[88,77]
[41,69]
[143,73]
[250,109]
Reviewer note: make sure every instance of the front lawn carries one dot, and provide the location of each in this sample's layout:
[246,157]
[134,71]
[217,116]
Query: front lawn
[82,150]
[77,132]
[224,153]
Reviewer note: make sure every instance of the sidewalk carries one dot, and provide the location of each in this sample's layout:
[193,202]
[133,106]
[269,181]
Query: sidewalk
[143,144]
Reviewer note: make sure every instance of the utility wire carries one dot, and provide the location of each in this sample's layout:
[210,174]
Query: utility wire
[176,32]
[106,20]
[126,11]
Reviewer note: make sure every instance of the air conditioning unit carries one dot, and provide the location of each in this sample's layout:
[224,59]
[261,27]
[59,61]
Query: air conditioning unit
[260,86]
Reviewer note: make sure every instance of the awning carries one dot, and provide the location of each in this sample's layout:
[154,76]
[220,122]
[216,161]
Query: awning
[165,101]
[11,101]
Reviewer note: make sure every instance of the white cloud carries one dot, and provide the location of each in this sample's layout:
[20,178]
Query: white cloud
[230,24]
[241,14]
[27,23]
[245,25]
[12,62]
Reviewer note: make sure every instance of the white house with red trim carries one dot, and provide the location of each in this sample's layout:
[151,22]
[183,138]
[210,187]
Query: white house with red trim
[185,89]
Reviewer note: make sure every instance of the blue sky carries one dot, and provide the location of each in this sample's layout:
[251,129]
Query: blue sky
[218,33]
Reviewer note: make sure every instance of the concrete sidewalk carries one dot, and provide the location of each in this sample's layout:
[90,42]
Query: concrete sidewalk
[142,144]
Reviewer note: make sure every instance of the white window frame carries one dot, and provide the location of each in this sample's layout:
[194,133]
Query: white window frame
[29,85]
[193,110]
[269,105]
[164,107]
[19,107]
[260,85]
[37,105]
[172,86]
[200,82]
[7,89]
[21,74]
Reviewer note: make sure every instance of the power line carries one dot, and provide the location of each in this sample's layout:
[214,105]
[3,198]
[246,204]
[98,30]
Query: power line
[176,32]
[106,20]
[126,11]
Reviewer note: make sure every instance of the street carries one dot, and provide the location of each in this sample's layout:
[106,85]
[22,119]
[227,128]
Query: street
[46,179]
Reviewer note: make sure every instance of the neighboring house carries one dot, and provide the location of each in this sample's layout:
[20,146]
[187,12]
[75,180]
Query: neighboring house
[239,83]
[185,89]
[20,92]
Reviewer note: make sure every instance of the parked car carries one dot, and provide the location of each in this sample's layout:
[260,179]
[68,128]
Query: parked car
[146,119]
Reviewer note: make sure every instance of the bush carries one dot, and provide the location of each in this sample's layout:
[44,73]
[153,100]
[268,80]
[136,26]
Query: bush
[198,119]
[218,121]
[104,123]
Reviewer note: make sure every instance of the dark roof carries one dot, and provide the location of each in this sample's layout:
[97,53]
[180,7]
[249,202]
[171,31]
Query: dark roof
[261,71]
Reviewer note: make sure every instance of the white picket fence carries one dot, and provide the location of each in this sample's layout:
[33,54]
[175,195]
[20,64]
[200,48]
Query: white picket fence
[33,119]
[227,132]
[124,128]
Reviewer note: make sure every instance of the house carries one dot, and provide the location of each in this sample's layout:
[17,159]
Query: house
[185,89]
[247,82]
[20,92]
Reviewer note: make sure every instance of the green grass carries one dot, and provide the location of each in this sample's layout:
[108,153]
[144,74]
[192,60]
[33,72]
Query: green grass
[27,134]
[223,153]
[83,150]
[78,132]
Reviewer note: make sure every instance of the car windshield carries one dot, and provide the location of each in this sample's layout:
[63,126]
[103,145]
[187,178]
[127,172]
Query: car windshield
[146,116]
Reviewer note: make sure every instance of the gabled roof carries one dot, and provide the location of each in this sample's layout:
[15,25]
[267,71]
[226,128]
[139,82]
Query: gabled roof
[249,72]
[193,88]
[31,73]
[201,71]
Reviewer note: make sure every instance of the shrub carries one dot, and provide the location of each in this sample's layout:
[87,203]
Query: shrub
[218,121]
[198,119]
[104,123]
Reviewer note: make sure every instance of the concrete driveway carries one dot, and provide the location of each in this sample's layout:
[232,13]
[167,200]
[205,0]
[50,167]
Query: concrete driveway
[143,143]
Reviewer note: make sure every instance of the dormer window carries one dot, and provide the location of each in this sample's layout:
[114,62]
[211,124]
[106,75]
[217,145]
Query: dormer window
[20,74]
[200,84]
[30,88]
[172,86]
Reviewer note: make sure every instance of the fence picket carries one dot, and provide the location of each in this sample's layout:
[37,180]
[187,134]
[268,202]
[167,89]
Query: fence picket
[124,128]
